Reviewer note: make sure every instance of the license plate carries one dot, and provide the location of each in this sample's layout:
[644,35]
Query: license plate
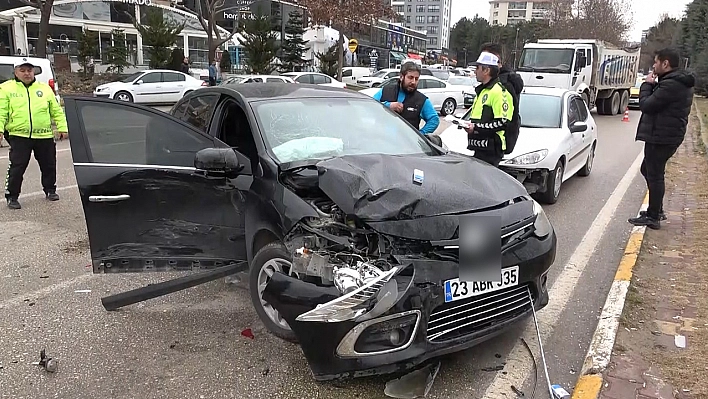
[456,289]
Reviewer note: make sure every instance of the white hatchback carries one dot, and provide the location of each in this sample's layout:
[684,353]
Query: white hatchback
[155,86]
[444,96]
[557,140]
[315,78]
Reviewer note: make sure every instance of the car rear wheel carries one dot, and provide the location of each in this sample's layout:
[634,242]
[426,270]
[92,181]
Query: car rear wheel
[272,258]
[585,171]
[124,96]
[448,107]
[624,101]
[553,184]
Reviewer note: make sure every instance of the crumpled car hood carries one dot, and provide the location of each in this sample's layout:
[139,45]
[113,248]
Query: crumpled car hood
[379,187]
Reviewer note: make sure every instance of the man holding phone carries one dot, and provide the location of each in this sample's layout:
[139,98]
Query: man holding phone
[665,107]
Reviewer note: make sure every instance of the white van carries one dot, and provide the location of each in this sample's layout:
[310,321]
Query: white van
[352,74]
[43,71]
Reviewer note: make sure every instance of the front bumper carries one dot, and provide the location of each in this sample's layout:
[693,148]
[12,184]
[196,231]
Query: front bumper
[428,326]
[534,180]
[101,94]
[634,101]
[468,99]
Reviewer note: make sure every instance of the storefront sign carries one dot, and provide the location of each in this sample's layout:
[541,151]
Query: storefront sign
[135,2]
[231,9]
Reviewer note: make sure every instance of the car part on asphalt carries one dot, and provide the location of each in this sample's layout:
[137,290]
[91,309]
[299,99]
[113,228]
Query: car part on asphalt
[116,301]
[415,384]
[540,345]
[49,364]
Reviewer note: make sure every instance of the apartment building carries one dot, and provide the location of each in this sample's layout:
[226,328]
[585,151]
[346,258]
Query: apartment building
[430,16]
[507,12]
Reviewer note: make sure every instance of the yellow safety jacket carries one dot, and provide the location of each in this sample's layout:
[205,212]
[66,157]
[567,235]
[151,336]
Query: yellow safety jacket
[492,111]
[28,111]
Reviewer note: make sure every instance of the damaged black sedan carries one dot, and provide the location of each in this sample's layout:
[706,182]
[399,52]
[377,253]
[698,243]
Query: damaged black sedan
[346,218]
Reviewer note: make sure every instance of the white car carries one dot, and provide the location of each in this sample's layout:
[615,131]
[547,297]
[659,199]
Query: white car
[444,96]
[557,140]
[154,86]
[314,78]
[259,79]
[377,78]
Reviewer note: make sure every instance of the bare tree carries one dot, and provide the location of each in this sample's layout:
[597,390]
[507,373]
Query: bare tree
[207,12]
[344,15]
[608,20]
[45,10]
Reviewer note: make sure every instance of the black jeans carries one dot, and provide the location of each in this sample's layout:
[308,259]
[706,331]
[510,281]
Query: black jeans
[653,168]
[20,151]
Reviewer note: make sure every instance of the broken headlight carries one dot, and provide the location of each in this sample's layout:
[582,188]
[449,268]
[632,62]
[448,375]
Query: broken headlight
[377,295]
[542,226]
[530,158]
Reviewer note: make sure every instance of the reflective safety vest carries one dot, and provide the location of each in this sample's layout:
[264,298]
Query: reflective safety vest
[28,111]
[492,111]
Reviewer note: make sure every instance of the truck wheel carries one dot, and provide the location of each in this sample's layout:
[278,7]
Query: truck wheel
[624,101]
[600,106]
[615,110]
[272,258]
[607,107]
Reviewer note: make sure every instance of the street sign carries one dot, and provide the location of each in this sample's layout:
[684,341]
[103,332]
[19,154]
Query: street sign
[353,43]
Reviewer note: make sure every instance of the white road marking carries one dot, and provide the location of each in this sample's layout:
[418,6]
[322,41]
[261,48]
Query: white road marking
[20,298]
[38,193]
[518,366]
[59,150]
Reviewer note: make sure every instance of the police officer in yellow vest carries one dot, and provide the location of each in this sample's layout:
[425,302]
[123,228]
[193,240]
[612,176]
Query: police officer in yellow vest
[492,111]
[27,109]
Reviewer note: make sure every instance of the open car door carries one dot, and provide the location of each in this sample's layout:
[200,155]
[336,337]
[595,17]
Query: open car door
[147,207]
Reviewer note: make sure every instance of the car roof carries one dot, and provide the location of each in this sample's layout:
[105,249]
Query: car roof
[546,91]
[273,90]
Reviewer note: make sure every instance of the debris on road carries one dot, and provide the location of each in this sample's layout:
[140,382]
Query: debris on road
[248,333]
[680,341]
[49,364]
[415,384]
[81,291]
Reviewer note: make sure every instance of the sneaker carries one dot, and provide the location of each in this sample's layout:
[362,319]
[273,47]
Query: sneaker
[647,221]
[662,215]
[53,196]
[13,203]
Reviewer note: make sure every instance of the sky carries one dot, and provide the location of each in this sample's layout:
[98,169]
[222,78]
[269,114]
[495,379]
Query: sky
[645,12]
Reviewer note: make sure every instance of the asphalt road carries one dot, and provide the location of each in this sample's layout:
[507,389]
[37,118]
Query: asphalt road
[189,344]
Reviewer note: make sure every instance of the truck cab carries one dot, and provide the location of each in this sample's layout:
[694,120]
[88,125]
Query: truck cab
[567,66]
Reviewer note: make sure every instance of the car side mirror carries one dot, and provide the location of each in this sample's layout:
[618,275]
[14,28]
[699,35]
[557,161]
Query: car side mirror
[139,82]
[218,160]
[578,127]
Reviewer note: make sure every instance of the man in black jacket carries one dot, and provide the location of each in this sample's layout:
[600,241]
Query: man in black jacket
[514,85]
[665,106]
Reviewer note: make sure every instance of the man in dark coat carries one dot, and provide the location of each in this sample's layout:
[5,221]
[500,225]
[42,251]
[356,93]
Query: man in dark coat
[665,106]
[514,85]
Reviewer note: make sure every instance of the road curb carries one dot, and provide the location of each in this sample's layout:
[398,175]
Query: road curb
[598,357]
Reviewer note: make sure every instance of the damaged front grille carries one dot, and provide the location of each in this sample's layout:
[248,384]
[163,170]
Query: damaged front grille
[457,319]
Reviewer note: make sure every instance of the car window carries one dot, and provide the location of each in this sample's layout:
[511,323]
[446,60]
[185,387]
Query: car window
[153,77]
[434,84]
[442,75]
[7,71]
[347,73]
[124,134]
[321,79]
[426,71]
[537,111]
[304,79]
[582,108]
[392,75]
[573,112]
[461,81]
[172,77]
[276,80]
[423,84]
[390,82]
[197,111]
[310,128]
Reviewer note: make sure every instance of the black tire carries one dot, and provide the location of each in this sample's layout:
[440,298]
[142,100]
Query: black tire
[600,106]
[276,252]
[123,96]
[448,107]
[624,101]
[550,196]
[585,171]
[616,102]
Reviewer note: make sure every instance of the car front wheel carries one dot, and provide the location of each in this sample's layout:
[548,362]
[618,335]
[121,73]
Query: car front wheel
[124,96]
[553,184]
[272,258]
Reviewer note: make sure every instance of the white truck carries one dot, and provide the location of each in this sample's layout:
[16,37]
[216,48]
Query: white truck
[600,72]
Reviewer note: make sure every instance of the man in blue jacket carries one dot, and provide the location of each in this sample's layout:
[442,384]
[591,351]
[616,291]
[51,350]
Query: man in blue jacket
[405,99]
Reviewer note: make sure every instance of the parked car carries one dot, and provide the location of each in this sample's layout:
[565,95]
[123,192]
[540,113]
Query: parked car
[352,74]
[557,140]
[43,71]
[315,78]
[154,86]
[378,77]
[353,266]
[259,79]
[444,96]
[468,83]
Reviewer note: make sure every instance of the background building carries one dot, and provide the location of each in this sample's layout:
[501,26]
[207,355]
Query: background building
[430,16]
[507,12]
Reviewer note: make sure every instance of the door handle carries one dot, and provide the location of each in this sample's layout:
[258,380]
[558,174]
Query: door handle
[108,198]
